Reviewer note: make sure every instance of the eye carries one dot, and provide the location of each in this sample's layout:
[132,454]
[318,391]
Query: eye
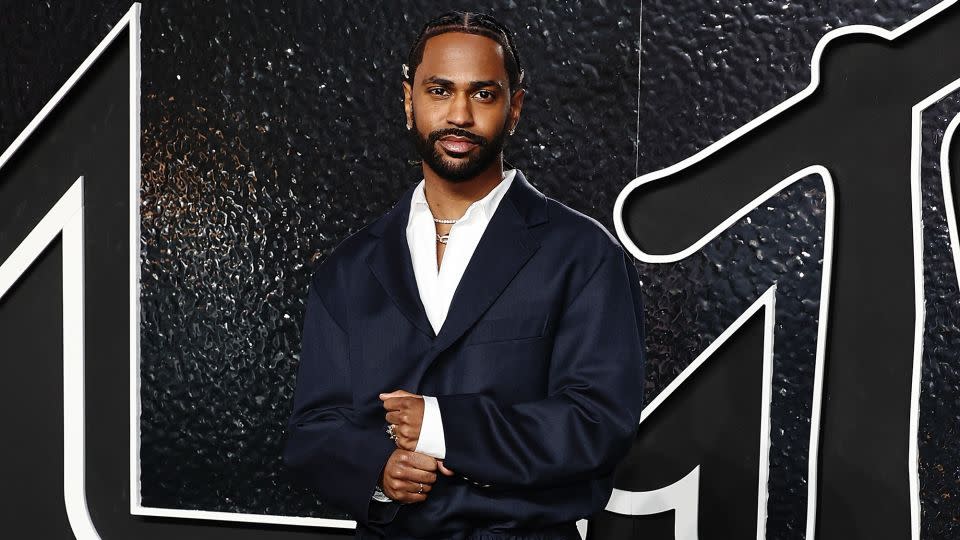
[437,90]
[486,95]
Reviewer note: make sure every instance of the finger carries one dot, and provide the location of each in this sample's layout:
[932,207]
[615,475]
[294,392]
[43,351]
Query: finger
[395,417]
[407,443]
[407,487]
[393,404]
[395,393]
[404,402]
[421,461]
[412,474]
[413,488]
[401,402]
[443,468]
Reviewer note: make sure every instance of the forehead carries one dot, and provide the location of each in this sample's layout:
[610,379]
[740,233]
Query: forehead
[460,56]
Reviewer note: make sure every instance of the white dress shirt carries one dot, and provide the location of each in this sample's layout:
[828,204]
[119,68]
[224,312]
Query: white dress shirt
[436,286]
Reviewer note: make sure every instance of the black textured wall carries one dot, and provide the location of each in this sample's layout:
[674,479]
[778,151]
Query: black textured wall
[270,132]
[938,401]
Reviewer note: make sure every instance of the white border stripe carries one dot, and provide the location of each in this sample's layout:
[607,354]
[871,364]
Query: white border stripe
[67,86]
[65,217]
[134,244]
[916,157]
[763,492]
[74,387]
[247,518]
[42,234]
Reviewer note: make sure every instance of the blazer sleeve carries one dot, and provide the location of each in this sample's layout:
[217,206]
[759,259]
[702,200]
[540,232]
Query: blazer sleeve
[331,447]
[589,420]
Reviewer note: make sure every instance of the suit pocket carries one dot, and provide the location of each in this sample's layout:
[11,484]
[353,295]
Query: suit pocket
[506,329]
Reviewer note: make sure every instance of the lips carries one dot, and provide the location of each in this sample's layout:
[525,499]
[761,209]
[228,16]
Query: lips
[457,145]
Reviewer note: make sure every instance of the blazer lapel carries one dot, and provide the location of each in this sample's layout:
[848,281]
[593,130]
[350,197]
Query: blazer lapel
[504,247]
[391,264]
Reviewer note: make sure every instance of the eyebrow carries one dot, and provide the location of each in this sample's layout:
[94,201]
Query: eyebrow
[472,86]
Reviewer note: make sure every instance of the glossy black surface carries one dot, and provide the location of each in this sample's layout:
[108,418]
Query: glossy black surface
[272,131]
[939,401]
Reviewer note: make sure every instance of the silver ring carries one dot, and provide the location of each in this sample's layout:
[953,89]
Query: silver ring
[421,487]
[393,435]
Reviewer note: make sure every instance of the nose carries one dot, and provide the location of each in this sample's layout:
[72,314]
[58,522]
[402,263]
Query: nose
[460,113]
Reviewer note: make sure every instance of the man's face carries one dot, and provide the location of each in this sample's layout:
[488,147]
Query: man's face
[460,105]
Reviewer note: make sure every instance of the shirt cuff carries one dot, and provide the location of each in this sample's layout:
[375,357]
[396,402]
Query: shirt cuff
[431,440]
[379,495]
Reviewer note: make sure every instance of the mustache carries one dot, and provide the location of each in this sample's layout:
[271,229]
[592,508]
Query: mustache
[457,132]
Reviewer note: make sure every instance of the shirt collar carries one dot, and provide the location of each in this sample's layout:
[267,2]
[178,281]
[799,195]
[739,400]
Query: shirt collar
[487,205]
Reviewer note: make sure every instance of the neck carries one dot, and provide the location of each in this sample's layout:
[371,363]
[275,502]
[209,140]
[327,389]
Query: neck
[450,200]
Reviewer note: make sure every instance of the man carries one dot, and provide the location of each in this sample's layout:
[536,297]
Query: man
[472,361]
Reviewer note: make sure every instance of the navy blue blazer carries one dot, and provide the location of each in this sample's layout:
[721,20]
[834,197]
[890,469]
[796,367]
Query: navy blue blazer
[537,369]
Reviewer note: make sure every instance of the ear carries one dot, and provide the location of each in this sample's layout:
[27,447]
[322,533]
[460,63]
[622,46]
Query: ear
[408,103]
[516,103]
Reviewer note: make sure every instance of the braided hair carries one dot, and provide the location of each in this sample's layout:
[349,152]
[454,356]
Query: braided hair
[468,23]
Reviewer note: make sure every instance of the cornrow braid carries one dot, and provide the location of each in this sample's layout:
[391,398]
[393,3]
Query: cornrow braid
[468,23]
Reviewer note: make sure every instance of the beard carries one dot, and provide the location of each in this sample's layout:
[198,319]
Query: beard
[466,167]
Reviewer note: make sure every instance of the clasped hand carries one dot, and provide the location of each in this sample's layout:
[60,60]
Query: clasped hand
[408,476]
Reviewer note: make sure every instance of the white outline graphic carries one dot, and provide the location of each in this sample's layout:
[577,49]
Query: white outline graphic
[916,155]
[131,18]
[641,255]
[828,238]
[770,317]
[74,495]
[66,218]
[682,495]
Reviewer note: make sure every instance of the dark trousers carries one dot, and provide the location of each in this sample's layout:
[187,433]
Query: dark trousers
[566,531]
